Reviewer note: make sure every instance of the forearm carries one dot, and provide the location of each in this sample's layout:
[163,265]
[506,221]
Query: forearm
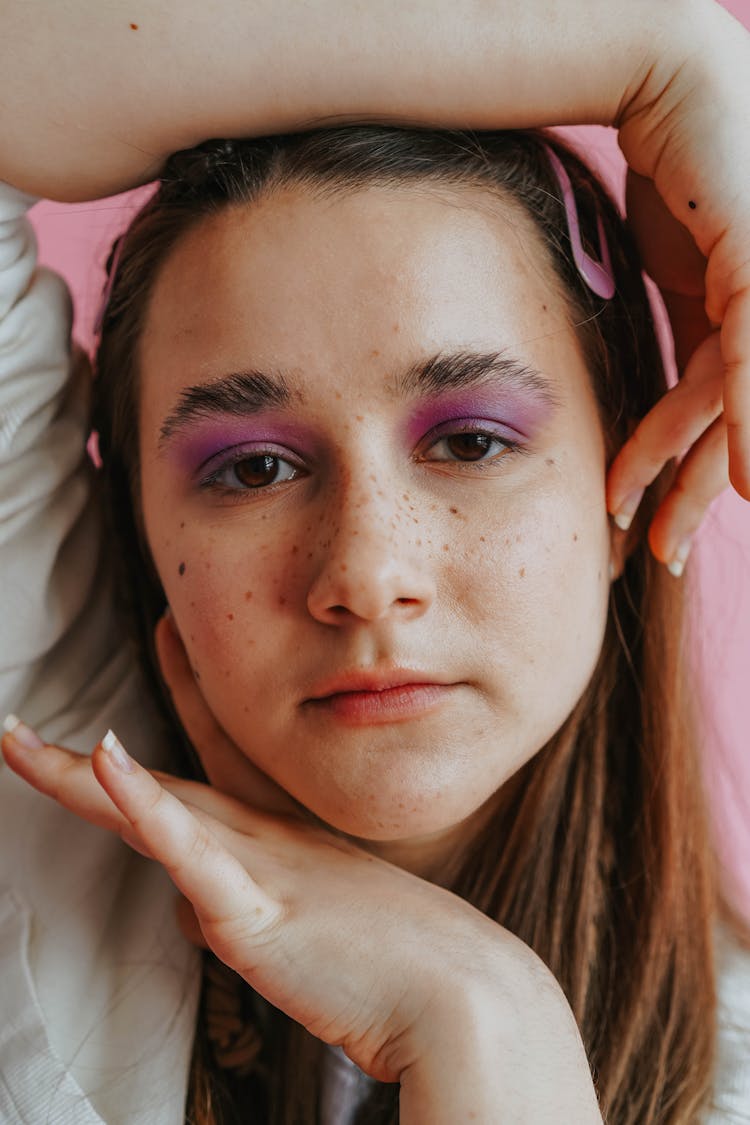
[95,95]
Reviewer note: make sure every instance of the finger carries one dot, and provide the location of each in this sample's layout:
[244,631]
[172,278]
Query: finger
[188,923]
[671,427]
[222,892]
[226,767]
[735,346]
[62,774]
[702,476]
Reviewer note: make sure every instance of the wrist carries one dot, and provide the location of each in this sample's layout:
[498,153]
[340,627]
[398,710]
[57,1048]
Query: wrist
[500,1049]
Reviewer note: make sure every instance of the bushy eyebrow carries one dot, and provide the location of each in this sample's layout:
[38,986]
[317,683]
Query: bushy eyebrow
[244,393]
[460,370]
[238,394]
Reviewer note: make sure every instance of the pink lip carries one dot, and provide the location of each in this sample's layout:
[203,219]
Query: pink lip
[365,698]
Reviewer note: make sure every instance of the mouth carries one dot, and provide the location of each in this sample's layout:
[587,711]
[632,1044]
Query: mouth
[363,698]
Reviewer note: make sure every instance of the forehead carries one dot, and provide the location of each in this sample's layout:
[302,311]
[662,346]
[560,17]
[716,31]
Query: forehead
[339,285]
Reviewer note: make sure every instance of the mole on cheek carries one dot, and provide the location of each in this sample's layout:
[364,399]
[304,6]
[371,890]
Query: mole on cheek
[181,569]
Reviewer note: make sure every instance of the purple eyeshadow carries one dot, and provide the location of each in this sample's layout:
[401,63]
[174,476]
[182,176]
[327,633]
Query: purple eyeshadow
[203,441]
[521,414]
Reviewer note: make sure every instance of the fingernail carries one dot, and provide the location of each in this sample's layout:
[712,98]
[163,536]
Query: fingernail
[23,735]
[117,752]
[677,565]
[624,515]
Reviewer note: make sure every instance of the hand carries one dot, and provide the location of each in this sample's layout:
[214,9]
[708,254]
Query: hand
[687,421]
[687,203]
[358,951]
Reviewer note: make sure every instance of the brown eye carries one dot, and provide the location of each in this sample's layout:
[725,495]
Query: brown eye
[469,447]
[254,472]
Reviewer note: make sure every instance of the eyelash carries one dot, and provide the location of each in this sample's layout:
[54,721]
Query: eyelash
[212,481]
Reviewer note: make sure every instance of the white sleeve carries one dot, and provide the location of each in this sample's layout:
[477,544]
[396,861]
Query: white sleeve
[58,638]
[731,1098]
[98,989]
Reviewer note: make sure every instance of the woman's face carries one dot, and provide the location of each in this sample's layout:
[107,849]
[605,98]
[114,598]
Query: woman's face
[370,448]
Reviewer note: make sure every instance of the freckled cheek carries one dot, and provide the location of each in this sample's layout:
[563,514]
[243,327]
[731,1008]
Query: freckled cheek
[223,597]
[527,554]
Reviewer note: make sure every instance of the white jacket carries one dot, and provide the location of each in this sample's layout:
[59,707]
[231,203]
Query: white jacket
[98,989]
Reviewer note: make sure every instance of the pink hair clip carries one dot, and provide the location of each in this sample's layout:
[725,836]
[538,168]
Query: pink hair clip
[597,275]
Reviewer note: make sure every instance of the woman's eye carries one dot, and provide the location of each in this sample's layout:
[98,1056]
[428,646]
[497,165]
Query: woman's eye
[255,471]
[470,446]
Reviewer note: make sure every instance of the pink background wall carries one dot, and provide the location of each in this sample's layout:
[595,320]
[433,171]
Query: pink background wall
[74,239]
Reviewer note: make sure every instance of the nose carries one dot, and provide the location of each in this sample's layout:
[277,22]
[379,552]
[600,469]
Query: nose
[370,565]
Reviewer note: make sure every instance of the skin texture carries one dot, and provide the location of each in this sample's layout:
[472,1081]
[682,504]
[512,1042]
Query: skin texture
[98,100]
[382,552]
[380,547]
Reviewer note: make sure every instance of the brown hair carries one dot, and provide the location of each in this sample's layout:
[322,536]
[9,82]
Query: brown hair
[598,855]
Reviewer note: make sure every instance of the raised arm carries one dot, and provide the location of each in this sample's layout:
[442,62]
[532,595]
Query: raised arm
[93,97]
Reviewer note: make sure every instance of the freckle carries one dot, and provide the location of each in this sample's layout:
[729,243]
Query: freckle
[208,566]
[282,601]
[230,617]
[309,554]
[453,511]
[192,605]
[248,595]
[134,27]
[182,525]
[192,636]
[295,549]
[549,461]
[522,572]
[344,568]
[599,576]
[544,308]
[506,541]
[419,542]
[246,710]
[360,418]
[446,547]
[338,394]
[181,569]
[374,352]
[518,539]
[482,539]
[395,328]
[575,536]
